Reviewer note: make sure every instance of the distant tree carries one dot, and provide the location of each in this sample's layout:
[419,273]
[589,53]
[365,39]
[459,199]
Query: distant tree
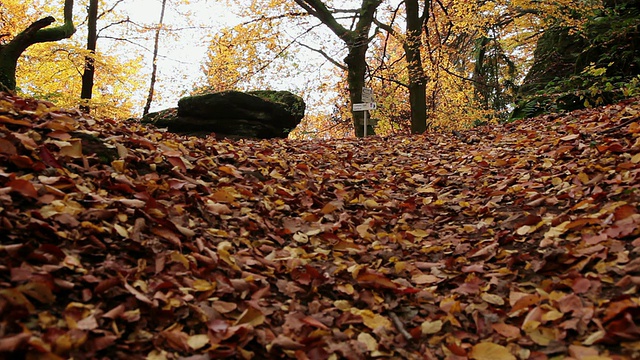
[412,44]
[356,38]
[54,70]
[89,59]
[35,33]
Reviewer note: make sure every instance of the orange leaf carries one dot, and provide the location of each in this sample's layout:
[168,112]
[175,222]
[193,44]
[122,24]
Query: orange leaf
[525,302]
[313,322]
[230,170]
[222,195]
[8,120]
[506,330]
[624,212]
[21,161]
[618,307]
[24,187]
[376,280]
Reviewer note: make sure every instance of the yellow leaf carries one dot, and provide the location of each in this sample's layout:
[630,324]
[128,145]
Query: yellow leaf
[251,317]
[74,149]
[372,320]
[490,351]
[584,178]
[203,285]
[198,341]
[343,305]
[419,233]
[118,165]
[121,231]
[552,315]
[157,355]
[570,137]
[594,337]
[431,327]
[363,230]
[301,238]
[369,341]
[179,258]
[542,336]
[523,230]
[493,299]
[371,204]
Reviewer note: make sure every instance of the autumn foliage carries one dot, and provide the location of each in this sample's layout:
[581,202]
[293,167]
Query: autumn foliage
[518,241]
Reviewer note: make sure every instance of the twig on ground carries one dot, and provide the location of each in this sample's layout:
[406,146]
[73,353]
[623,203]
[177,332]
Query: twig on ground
[400,326]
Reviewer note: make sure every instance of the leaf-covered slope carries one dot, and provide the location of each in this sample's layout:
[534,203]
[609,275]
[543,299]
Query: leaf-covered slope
[121,241]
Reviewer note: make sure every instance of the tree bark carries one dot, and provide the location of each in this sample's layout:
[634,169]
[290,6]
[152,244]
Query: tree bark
[154,66]
[35,33]
[89,60]
[417,78]
[412,43]
[357,42]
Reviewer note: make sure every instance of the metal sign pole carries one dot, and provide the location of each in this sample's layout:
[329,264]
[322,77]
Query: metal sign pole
[365,123]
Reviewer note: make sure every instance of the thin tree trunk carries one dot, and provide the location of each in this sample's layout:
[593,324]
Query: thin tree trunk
[89,60]
[35,33]
[154,66]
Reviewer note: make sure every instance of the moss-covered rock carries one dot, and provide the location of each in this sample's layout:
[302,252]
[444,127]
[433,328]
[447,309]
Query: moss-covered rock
[592,66]
[257,114]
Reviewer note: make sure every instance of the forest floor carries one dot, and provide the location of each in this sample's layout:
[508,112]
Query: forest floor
[517,241]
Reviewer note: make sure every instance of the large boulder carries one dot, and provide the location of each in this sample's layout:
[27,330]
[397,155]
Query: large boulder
[261,114]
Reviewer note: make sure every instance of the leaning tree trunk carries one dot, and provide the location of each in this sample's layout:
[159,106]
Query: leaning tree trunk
[35,33]
[89,60]
[154,66]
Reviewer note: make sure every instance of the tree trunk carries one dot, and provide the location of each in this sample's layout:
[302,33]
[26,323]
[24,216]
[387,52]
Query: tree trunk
[357,41]
[89,60]
[417,78]
[35,33]
[357,67]
[154,66]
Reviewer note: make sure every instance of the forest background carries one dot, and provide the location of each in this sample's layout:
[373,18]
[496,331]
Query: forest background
[466,62]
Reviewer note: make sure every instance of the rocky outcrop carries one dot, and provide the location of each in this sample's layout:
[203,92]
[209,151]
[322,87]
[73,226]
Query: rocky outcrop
[233,114]
[593,66]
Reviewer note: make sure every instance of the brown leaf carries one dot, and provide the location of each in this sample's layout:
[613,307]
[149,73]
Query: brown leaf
[24,187]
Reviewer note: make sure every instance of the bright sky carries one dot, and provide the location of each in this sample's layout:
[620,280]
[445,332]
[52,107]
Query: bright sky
[180,60]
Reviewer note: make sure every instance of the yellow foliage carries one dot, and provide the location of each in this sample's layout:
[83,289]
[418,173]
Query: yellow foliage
[53,70]
[15,16]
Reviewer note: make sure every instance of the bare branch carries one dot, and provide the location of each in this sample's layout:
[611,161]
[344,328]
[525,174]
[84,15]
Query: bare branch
[325,55]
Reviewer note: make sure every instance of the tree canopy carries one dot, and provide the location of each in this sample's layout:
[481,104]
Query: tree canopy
[438,64]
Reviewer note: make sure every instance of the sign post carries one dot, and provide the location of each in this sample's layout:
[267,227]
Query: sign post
[366,105]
